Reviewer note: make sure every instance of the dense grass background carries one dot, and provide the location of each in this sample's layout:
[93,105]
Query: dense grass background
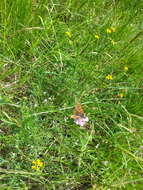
[44,71]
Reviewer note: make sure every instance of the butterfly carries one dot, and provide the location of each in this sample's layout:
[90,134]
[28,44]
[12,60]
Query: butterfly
[79,115]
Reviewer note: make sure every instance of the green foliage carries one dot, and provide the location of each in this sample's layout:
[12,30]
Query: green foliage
[50,58]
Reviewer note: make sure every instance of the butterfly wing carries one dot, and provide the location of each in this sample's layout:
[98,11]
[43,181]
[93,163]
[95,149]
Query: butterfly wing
[78,109]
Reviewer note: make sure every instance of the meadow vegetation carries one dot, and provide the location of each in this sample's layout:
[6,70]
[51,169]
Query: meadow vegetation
[52,54]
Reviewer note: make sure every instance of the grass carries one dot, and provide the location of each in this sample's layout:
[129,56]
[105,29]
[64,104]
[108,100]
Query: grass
[45,70]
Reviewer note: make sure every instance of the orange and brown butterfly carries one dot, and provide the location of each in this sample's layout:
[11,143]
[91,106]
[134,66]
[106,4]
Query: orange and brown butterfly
[79,116]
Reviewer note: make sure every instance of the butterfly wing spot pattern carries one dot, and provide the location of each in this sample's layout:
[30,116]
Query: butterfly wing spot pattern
[79,116]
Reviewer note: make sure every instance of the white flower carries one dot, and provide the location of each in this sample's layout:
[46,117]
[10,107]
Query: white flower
[81,120]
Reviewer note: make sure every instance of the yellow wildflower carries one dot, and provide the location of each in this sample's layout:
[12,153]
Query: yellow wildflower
[126,68]
[68,34]
[110,30]
[37,165]
[121,95]
[96,36]
[34,167]
[109,77]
